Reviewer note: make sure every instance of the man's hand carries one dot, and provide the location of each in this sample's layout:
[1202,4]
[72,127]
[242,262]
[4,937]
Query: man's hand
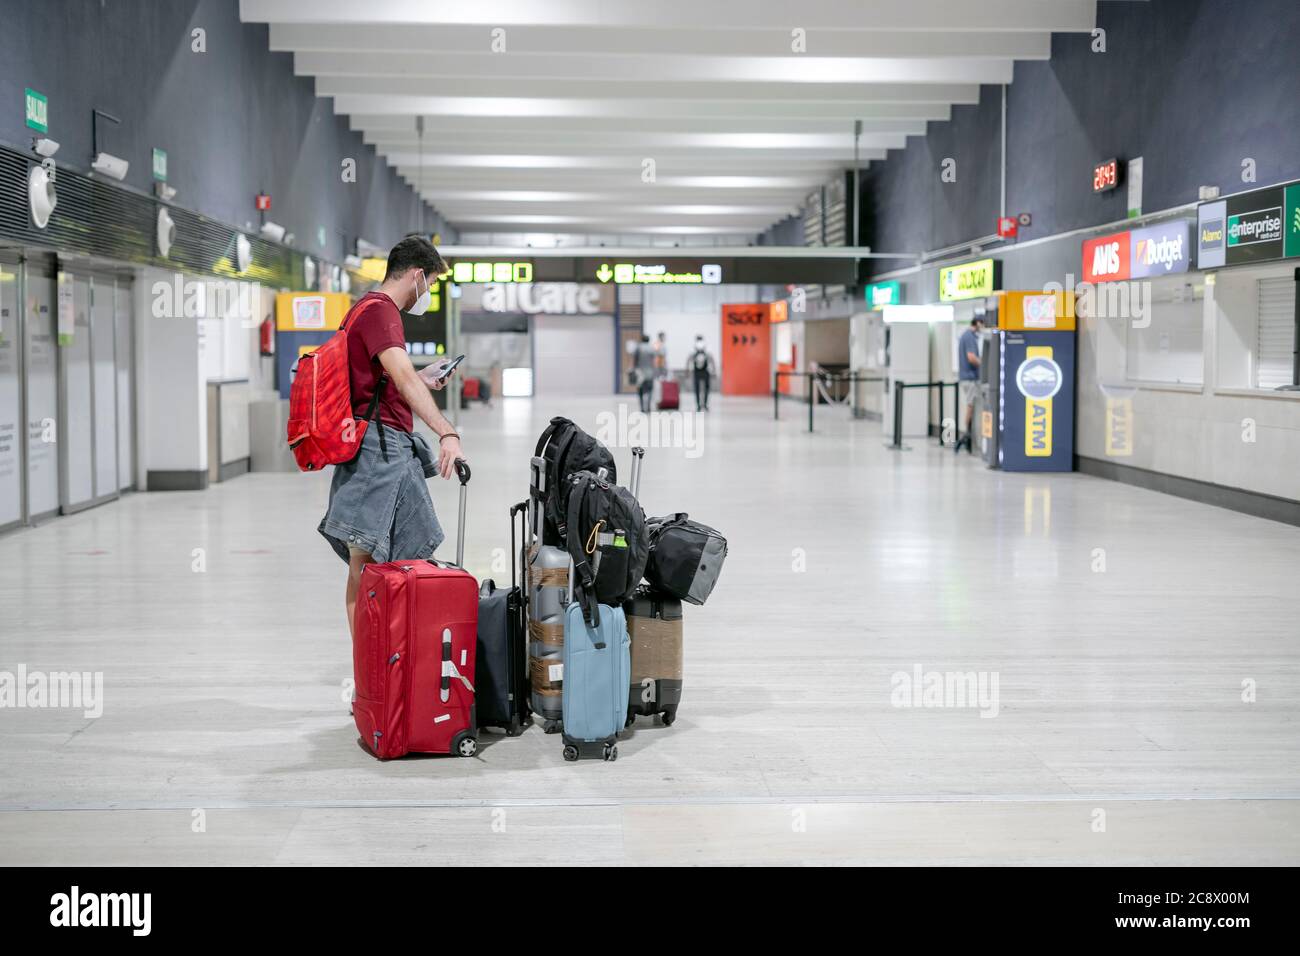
[448,452]
[429,375]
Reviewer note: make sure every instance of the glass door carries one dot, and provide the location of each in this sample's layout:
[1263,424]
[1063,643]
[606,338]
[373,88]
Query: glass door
[40,366]
[11,431]
[103,385]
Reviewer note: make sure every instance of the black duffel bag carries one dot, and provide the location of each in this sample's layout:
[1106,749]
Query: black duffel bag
[605,535]
[685,557]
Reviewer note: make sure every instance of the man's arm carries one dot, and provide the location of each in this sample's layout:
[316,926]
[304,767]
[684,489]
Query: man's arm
[408,383]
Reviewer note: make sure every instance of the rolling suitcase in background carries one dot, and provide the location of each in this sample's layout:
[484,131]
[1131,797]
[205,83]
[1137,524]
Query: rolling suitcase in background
[654,626]
[415,634]
[502,663]
[669,394]
[547,585]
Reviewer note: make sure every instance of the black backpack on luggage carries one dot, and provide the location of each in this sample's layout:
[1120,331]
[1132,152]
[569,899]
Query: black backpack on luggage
[605,536]
[685,557]
[565,448]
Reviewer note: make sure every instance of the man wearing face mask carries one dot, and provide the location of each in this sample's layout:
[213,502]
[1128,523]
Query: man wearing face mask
[379,507]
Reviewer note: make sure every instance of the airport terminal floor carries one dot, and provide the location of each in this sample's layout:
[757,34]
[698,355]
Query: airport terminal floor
[1119,624]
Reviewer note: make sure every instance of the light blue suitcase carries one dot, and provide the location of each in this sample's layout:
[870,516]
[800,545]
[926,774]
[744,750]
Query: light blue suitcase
[597,672]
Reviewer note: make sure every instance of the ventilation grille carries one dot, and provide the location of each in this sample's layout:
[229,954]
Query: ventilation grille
[96,218]
[1275,332]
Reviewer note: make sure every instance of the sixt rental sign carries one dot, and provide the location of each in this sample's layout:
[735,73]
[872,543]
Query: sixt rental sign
[1138,254]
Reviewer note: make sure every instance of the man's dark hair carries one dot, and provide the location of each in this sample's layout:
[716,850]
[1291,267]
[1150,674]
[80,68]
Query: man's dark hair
[414,252]
[978,320]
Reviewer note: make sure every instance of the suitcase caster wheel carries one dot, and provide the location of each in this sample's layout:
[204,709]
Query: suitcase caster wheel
[515,728]
[551,726]
[570,753]
[668,716]
[611,752]
[466,747]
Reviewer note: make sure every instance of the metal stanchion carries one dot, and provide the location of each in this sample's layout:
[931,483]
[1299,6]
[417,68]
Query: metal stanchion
[776,395]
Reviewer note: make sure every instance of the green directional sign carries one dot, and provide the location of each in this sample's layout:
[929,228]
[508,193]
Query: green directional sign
[38,110]
[160,164]
[604,273]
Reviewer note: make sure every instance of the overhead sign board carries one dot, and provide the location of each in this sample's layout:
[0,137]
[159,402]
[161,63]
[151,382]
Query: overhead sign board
[37,108]
[1157,250]
[1248,227]
[464,273]
[970,280]
[880,294]
[658,273]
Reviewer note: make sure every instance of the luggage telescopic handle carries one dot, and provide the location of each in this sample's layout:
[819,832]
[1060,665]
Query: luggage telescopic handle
[638,454]
[462,472]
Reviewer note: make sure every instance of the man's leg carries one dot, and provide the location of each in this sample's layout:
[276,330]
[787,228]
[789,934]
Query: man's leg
[707,382]
[356,561]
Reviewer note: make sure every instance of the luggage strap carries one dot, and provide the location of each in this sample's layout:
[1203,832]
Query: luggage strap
[374,407]
[585,594]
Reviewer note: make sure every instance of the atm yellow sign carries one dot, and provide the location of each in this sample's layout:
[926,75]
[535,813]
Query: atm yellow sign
[970,280]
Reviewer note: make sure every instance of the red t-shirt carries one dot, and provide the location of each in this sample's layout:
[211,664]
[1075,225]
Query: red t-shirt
[375,324]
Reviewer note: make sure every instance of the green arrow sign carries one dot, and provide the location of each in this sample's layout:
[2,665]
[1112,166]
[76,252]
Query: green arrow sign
[604,273]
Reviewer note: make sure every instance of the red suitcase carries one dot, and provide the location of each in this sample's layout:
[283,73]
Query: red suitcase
[414,637]
[669,396]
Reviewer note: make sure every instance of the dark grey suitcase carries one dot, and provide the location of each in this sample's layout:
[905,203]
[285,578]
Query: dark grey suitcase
[502,657]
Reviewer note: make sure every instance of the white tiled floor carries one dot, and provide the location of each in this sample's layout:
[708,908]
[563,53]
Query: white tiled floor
[1119,690]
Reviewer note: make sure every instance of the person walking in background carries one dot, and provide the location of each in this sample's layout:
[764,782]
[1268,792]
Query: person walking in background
[702,370]
[968,373]
[644,371]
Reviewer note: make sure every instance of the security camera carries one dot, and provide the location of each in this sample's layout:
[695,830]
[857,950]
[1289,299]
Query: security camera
[164,192]
[110,165]
[41,194]
[166,233]
[243,252]
[272,231]
[45,146]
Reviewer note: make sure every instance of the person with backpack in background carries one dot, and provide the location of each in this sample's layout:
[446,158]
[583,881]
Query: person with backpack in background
[702,370]
[379,505]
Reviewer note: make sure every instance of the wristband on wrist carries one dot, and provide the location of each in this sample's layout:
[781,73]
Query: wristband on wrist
[442,438]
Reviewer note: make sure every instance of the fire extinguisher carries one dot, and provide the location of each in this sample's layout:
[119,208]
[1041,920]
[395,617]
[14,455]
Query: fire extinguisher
[266,336]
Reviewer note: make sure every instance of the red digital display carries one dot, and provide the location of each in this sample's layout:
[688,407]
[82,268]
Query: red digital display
[1105,176]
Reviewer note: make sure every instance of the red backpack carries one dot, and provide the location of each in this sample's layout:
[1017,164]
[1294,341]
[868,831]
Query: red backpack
[322,427]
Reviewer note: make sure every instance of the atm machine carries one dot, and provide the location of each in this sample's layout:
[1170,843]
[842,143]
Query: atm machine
[1035,422]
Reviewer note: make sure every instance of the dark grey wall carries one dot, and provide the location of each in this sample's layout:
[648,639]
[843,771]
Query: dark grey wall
[234,120]
[1192,86]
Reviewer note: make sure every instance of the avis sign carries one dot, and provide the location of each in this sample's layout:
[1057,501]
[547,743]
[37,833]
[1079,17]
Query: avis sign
[1138,254]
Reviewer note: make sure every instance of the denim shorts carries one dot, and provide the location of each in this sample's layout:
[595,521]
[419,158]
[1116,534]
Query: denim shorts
[381,506]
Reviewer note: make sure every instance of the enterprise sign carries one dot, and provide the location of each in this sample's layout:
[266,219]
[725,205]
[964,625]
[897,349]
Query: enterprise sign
[1250,227]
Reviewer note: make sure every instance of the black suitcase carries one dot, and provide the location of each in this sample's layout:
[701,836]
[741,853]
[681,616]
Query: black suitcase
[502,689]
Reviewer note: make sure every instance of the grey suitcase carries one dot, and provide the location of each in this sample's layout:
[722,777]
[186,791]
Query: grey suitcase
[547,597]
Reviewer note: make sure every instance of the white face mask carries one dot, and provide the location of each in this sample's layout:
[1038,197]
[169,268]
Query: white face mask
[421,304]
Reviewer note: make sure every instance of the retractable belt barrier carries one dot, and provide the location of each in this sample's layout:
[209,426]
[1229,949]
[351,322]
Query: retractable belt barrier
[900,390]
[817,385]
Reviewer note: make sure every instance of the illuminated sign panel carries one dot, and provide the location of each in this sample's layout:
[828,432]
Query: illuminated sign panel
[1105,176]
[880,294]
[464,273]
[970,280]
[639,273]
